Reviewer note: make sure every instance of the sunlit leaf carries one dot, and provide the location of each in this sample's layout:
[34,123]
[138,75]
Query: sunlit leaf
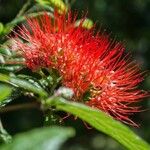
[101,122]
[85,23]
[1,28]
[55,3]
[5,92]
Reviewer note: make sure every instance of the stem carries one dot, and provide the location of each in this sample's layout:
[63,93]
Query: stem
[72,2]
[19,106]
[24,8]
[24,17]
[42,73]
[9,26]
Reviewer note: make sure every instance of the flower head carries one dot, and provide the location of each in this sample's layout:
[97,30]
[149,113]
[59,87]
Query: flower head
[97,69]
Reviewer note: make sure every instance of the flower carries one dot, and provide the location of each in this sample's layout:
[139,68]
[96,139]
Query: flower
[98,70]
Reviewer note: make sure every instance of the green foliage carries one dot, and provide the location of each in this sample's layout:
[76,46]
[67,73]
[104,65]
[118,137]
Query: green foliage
[85,23]
[21,83]
[5,91]
[59,4]
[101,122]
[1,27]
[4,136]
[50,138]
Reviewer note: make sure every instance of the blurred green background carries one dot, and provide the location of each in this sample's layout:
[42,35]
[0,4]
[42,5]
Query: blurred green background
[127,21]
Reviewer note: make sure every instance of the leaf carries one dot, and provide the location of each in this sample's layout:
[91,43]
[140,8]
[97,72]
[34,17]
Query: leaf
[85,23]
[21,83]
[14,94]
[4,136]
[32,80]
[50,138]
[11,67]
[5,51]
[1,59]
[101,122]
[5,92]
[55,3]
[1,28]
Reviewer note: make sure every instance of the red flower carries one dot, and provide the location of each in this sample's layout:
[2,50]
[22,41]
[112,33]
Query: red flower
[97,69]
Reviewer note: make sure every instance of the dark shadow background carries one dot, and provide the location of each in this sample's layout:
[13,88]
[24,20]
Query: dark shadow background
[127,21]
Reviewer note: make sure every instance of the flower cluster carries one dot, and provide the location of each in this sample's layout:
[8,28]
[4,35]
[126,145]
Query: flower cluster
[98,70]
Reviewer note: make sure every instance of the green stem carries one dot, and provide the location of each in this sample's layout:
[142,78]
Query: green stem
[24,8]
[20,19]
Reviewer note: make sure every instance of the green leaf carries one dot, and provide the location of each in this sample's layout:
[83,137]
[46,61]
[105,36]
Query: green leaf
[5,51]
[11,67]
[4,136]
[1,27]
[5,92]
[21,83]
[101,122]
[1,59]
[85,23]
[55,3]
[50,138]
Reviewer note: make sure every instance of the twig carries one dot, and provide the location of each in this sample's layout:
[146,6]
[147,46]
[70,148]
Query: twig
[19,106]
[23,9]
